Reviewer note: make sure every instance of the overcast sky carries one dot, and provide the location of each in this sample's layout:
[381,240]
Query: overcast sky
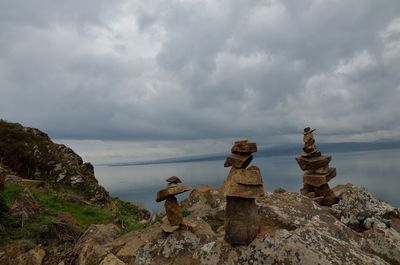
[145,74]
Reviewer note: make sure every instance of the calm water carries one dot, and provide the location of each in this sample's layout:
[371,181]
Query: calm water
[378,171]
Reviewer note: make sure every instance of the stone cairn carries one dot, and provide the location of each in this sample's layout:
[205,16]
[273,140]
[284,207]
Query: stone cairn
[242,186]
[174,218]
[317,172]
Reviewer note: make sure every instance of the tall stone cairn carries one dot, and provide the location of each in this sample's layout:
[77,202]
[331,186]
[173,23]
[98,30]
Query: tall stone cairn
[317,172]
[173,210]
[242,186]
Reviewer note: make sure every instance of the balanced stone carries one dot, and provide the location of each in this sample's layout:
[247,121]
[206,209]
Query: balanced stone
[323,190]
[313,163]
[244,183]
[173,210]
[171,190]
[241,221]
[315,180]
[238,161]
[244,146]
[174,180]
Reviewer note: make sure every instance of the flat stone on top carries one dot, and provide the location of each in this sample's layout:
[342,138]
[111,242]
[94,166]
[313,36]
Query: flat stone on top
[244,146]
[171,190]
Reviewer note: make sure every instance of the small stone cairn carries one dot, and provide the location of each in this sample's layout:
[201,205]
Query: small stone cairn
[242,186]
[317,172]
[174,219]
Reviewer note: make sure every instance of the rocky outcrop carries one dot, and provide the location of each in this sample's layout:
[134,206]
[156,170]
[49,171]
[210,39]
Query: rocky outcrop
[24,206]
[63,229]
[31,154]
[294,230]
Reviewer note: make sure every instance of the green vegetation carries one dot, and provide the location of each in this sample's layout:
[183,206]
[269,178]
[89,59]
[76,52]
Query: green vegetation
[10,193]
[83,214]
[19,146]
[214,223]
[124,214]
[185,212]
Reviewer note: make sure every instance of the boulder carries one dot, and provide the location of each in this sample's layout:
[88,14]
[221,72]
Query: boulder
[356,206]
[24,206]
[64,229]
[34,256]
[110,259]
[294,231]
[91,246]
[126,246]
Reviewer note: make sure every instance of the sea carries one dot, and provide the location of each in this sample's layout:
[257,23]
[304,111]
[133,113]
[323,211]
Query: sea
[377,170]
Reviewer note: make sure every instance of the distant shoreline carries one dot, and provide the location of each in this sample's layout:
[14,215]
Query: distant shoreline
[283,150]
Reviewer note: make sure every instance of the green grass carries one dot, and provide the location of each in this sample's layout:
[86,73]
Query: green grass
[128,214]
[214,223]
[85,215]
[185,212]
[124,214]
[11,192]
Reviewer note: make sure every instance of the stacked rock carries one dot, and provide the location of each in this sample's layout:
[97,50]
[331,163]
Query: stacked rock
[172,208]
[242,186]
[317,172]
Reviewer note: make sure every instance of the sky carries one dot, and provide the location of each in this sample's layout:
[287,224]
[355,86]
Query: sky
[150,79]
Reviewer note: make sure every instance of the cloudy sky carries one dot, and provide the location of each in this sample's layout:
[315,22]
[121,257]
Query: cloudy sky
[160,78]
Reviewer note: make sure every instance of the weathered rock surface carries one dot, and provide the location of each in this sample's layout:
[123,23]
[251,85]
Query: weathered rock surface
[357,208]
[294,230]
[24,206]
[34,256]
[90,248]
[64,229]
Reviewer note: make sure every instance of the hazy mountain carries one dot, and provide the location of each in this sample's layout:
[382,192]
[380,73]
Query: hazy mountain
[281,150]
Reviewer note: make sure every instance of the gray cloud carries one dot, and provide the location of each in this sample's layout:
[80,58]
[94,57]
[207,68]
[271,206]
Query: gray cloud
[159,70]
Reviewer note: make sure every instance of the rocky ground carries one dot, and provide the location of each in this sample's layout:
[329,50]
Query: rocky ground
[358,230]
[51,202]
